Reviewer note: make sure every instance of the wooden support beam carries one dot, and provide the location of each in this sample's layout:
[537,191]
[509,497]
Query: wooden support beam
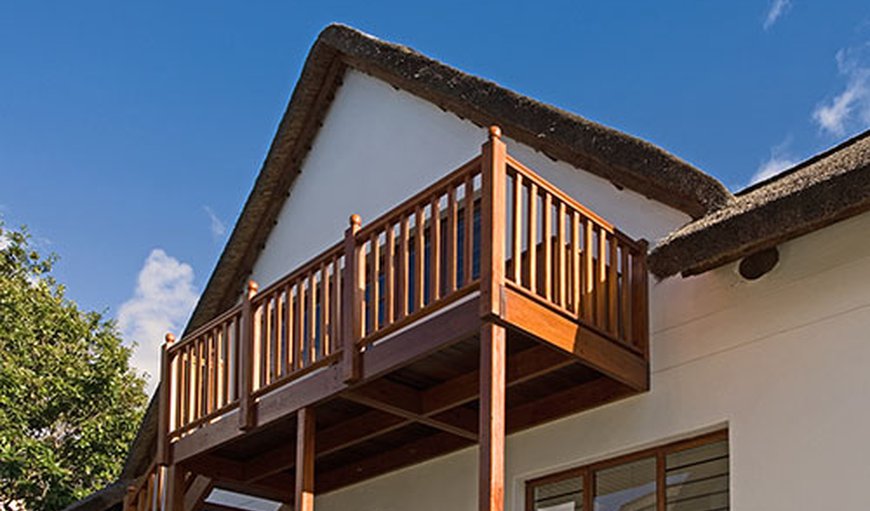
[304,490]
[429,447]
[196,493]
[521,367]
[576,399]
[403,401]
[493,355]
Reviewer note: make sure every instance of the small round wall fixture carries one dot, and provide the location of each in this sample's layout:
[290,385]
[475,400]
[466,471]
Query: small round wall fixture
[755,266]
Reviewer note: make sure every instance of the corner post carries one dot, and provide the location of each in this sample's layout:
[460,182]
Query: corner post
[492,417]
[352,305]
[304,490]
[174,488]
[165,403]
[129,498]
[640,309]
[247,418]
[492,223]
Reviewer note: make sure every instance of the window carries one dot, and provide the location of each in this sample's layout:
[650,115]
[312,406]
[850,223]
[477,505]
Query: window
[691,475]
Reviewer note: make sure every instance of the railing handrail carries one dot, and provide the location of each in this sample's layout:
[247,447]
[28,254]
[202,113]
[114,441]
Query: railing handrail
[385,218]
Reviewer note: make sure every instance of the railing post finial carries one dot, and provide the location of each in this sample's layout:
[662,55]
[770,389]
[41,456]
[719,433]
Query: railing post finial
[169,338]
[355,220]
[494,132]
[253,287]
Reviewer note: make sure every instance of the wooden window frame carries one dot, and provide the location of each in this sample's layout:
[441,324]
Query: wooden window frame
[588,471]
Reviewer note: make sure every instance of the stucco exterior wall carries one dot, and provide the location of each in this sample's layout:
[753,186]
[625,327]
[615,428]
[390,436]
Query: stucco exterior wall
[379,145]
[783,362]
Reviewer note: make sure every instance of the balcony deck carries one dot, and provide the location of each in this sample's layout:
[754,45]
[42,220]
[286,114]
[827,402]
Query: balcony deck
[488,303]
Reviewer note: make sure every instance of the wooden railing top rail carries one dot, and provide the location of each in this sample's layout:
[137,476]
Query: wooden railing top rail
[567,199]
[390,216]
[207,327]
[301,270]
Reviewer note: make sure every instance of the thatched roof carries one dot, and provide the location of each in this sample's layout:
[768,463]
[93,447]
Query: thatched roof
[625,160]
[828,187]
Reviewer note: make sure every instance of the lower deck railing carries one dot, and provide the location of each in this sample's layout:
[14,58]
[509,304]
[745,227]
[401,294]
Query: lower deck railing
[491,222]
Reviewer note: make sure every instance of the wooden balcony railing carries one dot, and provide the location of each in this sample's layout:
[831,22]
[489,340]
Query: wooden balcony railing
[493,222]
[148,492]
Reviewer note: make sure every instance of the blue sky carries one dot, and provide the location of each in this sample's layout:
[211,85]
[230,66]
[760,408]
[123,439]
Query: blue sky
[131,132]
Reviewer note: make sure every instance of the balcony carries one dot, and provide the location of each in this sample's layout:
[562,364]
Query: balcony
[486,304]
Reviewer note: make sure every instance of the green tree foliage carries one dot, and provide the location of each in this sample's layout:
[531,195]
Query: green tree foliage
[70,404]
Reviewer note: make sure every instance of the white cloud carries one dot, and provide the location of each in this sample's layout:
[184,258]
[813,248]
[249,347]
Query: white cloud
[851,108]
[777,9]
[778,161]
[772,167]
[218,228]
[162,302]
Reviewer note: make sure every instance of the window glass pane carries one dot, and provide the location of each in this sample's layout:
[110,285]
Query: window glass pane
[563,495]
[697,479]
[628,487]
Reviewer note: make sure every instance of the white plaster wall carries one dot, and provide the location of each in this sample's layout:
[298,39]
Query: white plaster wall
[378,146]
[784,362]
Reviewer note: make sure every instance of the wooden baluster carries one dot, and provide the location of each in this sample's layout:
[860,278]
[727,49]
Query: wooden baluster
[626,296]
[265,342]
[451,241]
[165,403]
[435,249]
[561,266]
[612,282]
[290,325]
[533,237]
[419,258]
[493,218]
[601,281]
[390,275]
[468,256]
[354,301]
[588,271]
[324,310]
[179,393]
[375,270]
[548,246]
[280,303]
[247,418]
[210,375]
[312,317]
[517,236]
[274,336]
[575,262]
[222,366]
[402,292]
[299,347]
[199,374]
[335,306]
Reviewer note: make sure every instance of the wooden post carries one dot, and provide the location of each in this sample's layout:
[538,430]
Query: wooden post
[640,309]
[353,306]
[129,499]
[492,417]
[247,420]
[165,403]
[174,488]
[305,460]
[492,224]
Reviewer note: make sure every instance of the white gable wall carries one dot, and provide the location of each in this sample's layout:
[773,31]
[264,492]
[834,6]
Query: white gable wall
[784,362]
[379,145]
